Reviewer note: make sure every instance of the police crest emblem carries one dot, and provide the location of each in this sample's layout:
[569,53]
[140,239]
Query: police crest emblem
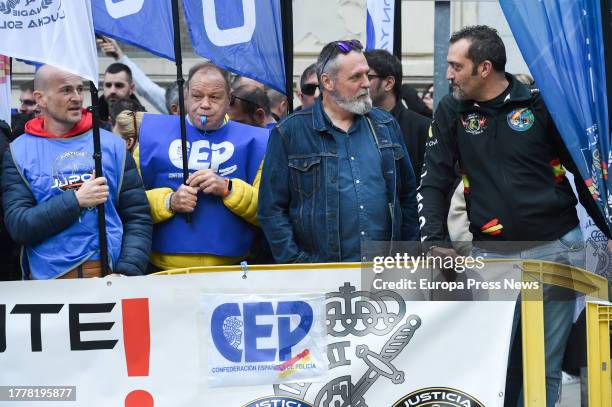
[521,119]
[438,396]
[474,123]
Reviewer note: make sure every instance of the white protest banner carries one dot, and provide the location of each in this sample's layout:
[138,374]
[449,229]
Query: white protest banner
[142,340]
[54,32]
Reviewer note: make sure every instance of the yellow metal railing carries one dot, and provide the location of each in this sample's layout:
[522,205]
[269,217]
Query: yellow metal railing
[598,352]
[532,324]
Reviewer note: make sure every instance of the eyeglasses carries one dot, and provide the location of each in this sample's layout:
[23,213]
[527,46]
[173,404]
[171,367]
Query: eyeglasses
[309,89]
[344,47]
[28,102]
[234,97]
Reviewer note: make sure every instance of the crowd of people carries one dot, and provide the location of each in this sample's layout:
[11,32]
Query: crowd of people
[360,160]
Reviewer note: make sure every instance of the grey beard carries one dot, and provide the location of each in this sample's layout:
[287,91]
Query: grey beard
[354,106]
[458,93]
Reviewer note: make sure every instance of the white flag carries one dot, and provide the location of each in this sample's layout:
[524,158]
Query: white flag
[5,89]
[379,24]
[54,32]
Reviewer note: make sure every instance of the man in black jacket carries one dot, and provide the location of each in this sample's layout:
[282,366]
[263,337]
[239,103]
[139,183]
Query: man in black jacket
[385,88]
[510,155]
[9,251]
[118,84]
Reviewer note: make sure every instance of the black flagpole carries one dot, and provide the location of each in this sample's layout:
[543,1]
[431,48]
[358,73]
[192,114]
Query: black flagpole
[397,29]
[287,21]
[97,155]
[11,74]
[180,81]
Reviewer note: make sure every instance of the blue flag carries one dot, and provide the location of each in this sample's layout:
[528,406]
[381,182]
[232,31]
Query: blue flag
[562,43]
[380,15]
[144,24]
[242,36]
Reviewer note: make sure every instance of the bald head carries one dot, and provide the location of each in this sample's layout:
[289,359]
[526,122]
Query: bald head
[244,81]
[59,94]
[46,74]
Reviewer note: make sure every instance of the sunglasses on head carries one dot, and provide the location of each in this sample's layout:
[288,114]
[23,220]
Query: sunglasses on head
[309,89]
[346,46]
[343,47]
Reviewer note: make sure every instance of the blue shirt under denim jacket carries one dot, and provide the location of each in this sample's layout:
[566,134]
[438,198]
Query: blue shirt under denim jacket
[361,187]
[299,198]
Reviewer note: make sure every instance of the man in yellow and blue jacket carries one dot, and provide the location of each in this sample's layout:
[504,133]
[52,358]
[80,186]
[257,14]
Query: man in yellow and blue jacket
[224,159]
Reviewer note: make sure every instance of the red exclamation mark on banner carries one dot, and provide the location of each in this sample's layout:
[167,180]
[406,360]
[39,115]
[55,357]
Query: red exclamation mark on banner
[137,343]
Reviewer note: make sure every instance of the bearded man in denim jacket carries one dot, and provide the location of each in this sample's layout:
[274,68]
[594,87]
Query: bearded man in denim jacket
[337,174]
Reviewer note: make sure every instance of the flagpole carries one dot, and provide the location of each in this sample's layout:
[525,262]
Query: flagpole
[97,155]
[287,21]
[180,82]
[10,92]
[11,76]
[397,29]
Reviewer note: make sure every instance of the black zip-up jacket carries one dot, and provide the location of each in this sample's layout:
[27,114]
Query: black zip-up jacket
[415,128]
[9,251]
[510,155]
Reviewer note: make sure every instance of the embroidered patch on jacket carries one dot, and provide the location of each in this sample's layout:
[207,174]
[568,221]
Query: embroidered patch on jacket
[474,123]
[492,228]
[521,119]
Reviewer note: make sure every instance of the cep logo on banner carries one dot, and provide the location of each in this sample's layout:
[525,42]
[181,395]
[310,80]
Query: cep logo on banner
[265,339]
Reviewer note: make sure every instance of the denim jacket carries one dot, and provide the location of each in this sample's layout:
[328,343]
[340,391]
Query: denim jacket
[298,195]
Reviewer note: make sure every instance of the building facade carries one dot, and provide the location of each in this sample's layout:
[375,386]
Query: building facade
[317,22]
